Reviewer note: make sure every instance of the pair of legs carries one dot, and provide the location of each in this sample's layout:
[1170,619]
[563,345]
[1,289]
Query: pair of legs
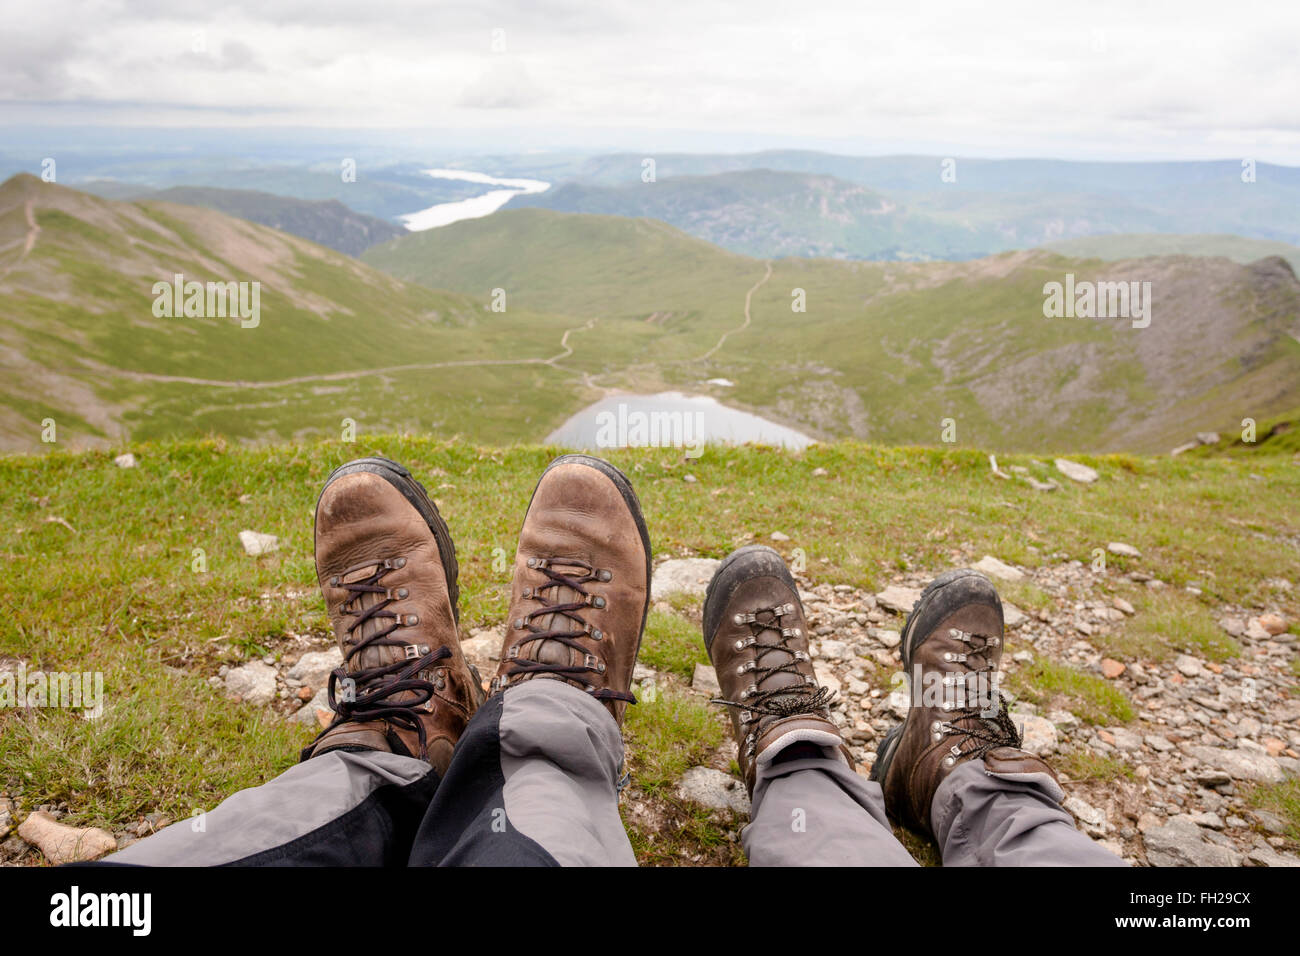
[420,767]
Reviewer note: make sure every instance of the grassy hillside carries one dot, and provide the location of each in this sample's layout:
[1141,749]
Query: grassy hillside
[1236,248]
[117,548]
[887,351]
[80,342]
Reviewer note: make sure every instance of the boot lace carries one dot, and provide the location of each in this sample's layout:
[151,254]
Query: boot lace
[757,700]
[375,687]
[579,574]
[978,730]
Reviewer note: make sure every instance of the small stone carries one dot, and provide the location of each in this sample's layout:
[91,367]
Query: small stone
[254,683]
[820,472]
[1158,743]
[886,636]
[256,543]
[1121,605]
[1188,666]
[304,693]
[826,678]
[683,576]
[1211,821]
[1265,856]
[1232,626]
[1110,669]
[643,673]
[125,461]
[1181,842]
[1012,616]
[1274,624]
[1240,764]
[1038,733]
[306,714]
[779,536]
[1075,471]
[898,599]
[998,569]
[1092,820]
[314,667]
[1270,822]
[714,789]
[1125,739]
[835,651]
[689,478]
[1124,550]
[705,680]
[1255,630]
[65,844]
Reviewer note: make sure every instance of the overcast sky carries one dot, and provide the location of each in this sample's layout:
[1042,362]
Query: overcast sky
[1132,79]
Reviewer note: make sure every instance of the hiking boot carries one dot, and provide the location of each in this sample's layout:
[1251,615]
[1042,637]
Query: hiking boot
[951,646]
[581,584]
[387,567]
[757,637]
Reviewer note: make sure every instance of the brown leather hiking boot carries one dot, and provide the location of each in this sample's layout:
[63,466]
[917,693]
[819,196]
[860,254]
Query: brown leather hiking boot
[757,637]
[951,646]
[581,585]
[387,567]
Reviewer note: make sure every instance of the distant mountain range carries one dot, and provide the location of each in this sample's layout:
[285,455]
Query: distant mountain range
[903,208]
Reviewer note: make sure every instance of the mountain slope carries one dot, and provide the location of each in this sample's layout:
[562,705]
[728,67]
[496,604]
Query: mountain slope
[1133,246]
[80,341]
[886,351]
[326,222]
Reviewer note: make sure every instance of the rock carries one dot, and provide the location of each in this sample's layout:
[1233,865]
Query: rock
[1039,733]
[254,683]
[898,599]
[306,714]
[683,576]
[6,816]
[1232,626]
[1269,821]
[1180,842]
[1273,624]
[689,478]
[125,461]
[1091,819]
[65,844]
[1211,821]
[1239,764]
[1110,669]
[779,536]
[835,651]
[1124,550]
[643,673]
[1121,605]
[1188,666]
[820,472]
[481,648]
[826,678]
[1012,616]
[998,569]
[1041,485]
[1124,739]
[1075,471]
[1265,856]
[886,636]
[1255,630]
[1158,743]
[314,667]
[705,680]
[714,789]
[256,543]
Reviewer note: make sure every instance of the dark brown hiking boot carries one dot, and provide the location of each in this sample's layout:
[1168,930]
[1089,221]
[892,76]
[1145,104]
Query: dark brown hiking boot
[387,567]
[581,584]
[757,637]
[951,646]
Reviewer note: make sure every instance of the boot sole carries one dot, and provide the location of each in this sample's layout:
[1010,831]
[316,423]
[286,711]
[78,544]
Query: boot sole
[413,492]
[633,503]
[726,579]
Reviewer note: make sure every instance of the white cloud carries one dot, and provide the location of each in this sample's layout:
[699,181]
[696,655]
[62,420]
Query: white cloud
[1188,78]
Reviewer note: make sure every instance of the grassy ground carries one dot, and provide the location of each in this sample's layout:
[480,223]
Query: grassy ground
[102,574]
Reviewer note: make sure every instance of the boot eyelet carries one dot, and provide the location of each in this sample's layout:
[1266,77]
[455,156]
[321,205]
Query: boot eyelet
[526,592]
[519,624]
[403,593]
[597,634]
[412,620]
[532,562]
[604,575]
[598,601]
[334,581]
[399,563]
[949,761]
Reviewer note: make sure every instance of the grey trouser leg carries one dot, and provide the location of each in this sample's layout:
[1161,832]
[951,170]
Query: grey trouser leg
[817,812]
[340,808]
[562,758]
[983,819]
